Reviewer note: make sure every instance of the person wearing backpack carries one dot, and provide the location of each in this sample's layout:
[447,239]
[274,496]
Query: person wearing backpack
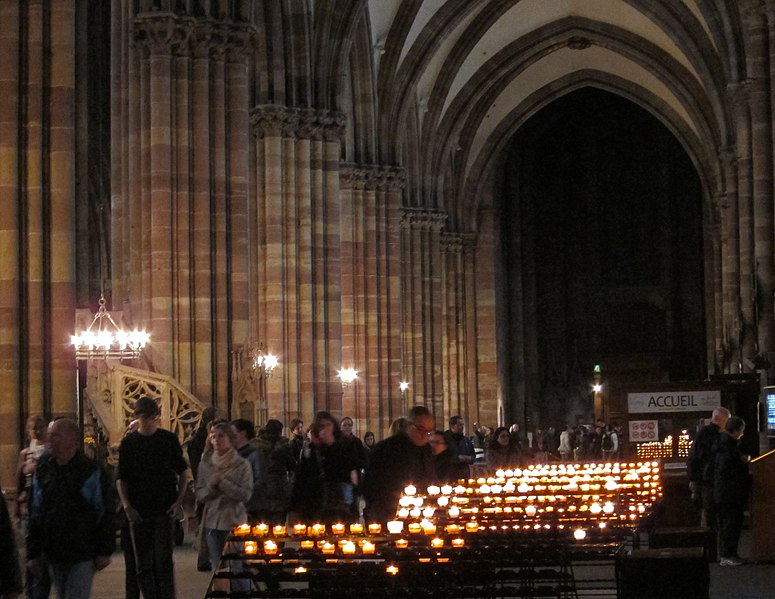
[700,467]
[609,444]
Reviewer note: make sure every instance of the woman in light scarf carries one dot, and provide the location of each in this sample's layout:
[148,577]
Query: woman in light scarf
[224,484]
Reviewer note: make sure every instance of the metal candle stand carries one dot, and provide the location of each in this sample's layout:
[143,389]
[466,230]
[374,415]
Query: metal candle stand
[439,551]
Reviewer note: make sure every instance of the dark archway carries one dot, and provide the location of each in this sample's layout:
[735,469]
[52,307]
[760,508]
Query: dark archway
[602,256]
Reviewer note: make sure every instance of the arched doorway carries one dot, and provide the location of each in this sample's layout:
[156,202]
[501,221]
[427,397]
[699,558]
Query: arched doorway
[601,238]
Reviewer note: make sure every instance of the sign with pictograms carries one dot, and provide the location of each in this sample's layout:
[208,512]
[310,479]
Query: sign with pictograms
[643,430]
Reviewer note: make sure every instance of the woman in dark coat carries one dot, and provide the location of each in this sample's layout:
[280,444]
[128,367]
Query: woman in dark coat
[327,472]
[500,453]
[270,503]
[731,484]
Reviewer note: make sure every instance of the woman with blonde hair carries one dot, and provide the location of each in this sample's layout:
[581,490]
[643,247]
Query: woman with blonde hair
[224,484]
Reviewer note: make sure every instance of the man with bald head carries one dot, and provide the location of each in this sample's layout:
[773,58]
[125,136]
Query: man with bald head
[71,523]
[699,467]
[396,462]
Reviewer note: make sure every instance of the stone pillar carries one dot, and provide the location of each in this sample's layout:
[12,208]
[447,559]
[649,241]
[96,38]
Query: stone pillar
[757,53]
[746,315]
[730,264]
[12,376]
[371,315]
[458,327]
[296,283]
[485,321]
[421,270]
[59,213]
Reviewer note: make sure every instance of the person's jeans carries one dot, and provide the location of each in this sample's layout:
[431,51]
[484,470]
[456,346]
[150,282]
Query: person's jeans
[216,541]
[148,547]
[72,581]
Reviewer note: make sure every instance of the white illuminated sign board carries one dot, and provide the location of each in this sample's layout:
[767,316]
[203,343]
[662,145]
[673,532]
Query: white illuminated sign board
[658,402]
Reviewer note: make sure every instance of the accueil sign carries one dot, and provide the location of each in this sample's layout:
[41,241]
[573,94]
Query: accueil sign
[673,401]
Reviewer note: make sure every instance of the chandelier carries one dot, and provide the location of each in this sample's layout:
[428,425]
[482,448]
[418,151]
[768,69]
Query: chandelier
[104,339]
[263,364]
[347,375]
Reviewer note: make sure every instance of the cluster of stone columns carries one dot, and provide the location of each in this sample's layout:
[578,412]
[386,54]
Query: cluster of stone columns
[37,228]
[180,149]
[746,216]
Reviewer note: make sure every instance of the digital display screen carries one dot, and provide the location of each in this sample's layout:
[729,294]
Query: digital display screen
[770,394]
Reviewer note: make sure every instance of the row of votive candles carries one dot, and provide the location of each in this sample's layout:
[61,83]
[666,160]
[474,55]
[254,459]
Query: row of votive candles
[345,546]
[304,530]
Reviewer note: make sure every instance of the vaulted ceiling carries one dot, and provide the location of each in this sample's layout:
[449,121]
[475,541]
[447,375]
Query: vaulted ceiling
[456,78]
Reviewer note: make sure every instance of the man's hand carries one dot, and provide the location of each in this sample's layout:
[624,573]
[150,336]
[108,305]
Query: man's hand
[132,514]
[692,486]
[101,562]
[174,509]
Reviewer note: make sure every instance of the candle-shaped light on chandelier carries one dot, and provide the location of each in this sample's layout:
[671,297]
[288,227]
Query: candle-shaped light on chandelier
[347,375]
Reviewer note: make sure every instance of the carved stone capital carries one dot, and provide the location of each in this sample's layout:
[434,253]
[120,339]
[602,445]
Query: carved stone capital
[271,120]
[424,220]
[456,243]
[372,176]
[240,40]
[162,33]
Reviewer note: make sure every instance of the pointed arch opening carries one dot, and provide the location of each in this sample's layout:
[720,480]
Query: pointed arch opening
[601,232]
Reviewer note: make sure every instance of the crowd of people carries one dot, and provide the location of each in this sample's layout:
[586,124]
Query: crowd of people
[322,472]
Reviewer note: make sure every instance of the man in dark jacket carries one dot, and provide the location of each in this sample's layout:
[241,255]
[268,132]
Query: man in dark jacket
[699,468]
[396,462]
[731,484]
[71,514]
[461,446]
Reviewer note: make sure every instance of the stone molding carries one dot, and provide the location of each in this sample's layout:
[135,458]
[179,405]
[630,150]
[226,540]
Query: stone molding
[423,220]
[579,42]
[163,33]
[739,94]
[372,176]
[456,243]
[273,120]
[728,156]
